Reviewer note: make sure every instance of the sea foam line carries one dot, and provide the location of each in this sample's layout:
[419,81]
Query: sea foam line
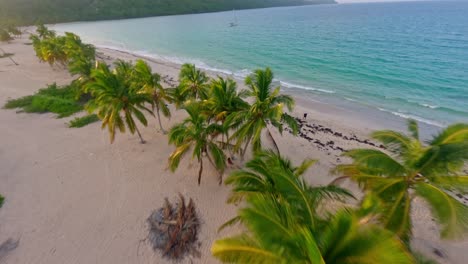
[415,117]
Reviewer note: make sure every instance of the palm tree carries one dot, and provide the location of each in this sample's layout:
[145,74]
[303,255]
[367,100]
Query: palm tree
[224,100]
[268,173]
[411,168]
[176,96]
[266,109]
[114,95]
[150,84]
[52,51]
[44,32]
[196,134]
[283,225]
[193,82]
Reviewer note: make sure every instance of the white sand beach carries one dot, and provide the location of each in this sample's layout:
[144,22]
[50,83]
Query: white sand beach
[72,197]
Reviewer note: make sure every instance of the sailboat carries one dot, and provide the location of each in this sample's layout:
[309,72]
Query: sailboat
[234,24]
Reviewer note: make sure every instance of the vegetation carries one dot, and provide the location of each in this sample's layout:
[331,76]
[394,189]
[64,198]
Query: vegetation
[193,83]
[286,219]
[174,229]
[114,93]
[2,199]
[267,109]
[196,133]
[5,35]
[150,84]
[415,169]
[59,100]
[284,224]
[67,50]
[27,12]
[83,121]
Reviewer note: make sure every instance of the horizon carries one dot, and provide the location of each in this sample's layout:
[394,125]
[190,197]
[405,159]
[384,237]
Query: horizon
[374,1]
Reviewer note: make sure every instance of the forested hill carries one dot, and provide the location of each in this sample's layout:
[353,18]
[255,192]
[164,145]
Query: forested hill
[23,12]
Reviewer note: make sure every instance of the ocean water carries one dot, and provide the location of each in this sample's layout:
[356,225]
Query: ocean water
[406,59]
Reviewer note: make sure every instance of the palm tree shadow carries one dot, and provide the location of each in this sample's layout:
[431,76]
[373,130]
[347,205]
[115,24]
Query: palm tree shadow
[8,246]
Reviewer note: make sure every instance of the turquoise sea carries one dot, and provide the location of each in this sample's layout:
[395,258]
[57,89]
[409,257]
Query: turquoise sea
[406,59]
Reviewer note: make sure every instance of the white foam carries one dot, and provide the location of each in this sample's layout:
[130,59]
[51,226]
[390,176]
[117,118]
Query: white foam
[430,106]
[409,116]
[292,85]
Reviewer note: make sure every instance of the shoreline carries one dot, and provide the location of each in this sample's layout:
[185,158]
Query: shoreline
[320,107]
[73,197]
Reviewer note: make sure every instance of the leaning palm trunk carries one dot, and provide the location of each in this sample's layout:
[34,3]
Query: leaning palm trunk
[200,171]
[142,141]
[159,119]
[214,165]
[273,140]
[245,149]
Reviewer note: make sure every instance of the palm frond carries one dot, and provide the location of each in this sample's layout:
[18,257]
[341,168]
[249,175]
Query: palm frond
[451,214]
[452,134]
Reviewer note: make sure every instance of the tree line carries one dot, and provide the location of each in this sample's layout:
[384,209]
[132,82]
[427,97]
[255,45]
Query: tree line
[28,12]
[286,219]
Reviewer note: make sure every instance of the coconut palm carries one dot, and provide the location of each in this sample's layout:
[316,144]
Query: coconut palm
[51,50]
[195,133]
[115,100]
[268,173]
[193,82]
[224,100]
[80,56]
[176,96]
[283,225]
[44,32]
[150,84]
[411,168]
[268,108]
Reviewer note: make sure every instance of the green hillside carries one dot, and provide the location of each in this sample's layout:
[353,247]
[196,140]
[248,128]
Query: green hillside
[25,12]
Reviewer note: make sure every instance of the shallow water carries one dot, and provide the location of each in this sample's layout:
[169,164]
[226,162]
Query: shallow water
[405,59]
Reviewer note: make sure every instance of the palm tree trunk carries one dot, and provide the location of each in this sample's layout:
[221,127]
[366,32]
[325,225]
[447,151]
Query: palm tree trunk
[214,165]
[200,171]
[159,118]
[245,149]
[273,140]
[142,141]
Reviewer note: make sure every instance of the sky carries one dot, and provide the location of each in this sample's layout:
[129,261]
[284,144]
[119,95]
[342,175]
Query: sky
[363,1]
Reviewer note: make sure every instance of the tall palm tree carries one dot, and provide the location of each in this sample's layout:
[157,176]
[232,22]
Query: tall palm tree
[411,168]
[115,99]
[224,100]
[268,108]
[196,134]
[150,84]
[283,225]
[193,82]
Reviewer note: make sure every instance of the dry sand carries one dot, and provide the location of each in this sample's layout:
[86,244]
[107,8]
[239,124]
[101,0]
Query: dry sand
[72,197]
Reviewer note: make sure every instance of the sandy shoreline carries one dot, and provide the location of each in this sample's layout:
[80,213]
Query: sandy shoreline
[71,197]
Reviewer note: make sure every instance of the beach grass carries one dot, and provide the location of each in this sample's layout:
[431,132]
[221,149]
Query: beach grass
[63,101]
[83,121]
